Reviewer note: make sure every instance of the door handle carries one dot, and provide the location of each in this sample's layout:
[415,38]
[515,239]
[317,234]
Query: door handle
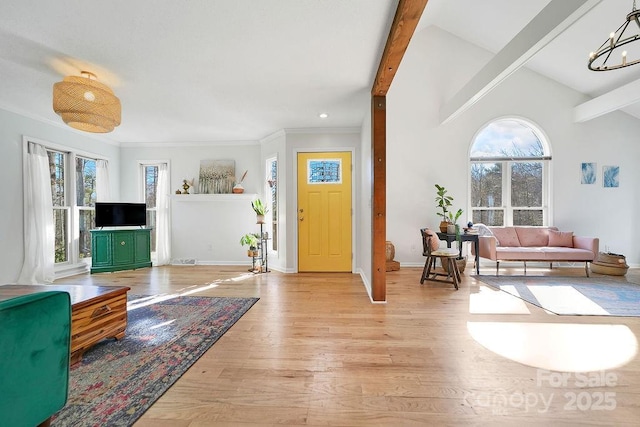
[301,218]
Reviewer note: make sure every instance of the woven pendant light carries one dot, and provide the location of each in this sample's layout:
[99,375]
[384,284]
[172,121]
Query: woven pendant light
[86,104]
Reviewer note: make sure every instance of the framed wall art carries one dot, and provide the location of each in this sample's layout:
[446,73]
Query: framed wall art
[588,173]
[610,176]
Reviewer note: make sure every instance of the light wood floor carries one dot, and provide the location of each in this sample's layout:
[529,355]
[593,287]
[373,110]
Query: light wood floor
[315,351]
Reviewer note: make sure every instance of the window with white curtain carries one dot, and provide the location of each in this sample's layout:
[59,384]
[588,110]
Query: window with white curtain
[150,191]
[73,194]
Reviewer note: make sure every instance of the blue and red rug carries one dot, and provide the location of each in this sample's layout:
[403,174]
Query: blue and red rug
[117,381]
[593,296]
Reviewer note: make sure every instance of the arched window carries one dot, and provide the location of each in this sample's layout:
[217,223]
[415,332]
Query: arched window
[509,173]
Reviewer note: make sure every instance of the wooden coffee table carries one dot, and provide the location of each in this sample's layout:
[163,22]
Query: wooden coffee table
[97,312]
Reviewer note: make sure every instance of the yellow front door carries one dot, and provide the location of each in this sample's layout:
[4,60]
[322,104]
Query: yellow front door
[324,211]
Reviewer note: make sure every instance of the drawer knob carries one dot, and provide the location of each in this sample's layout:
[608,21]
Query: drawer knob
[122,243]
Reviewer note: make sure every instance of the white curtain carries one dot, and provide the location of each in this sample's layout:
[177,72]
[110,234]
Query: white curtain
[163,238]
[39,241]
[103,183]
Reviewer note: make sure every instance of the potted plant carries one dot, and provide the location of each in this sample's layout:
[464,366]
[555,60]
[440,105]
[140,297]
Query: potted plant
[461,261]
[260,209]
[452,226]
[251,240]
[443,203]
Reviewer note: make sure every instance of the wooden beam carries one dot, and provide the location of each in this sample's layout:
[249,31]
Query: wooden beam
[379,198]
[556,17]
[611,101]
[404,24]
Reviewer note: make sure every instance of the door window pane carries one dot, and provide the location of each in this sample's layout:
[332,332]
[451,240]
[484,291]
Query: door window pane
[324,171]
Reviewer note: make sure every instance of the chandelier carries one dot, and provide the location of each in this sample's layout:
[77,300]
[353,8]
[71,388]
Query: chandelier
[86,104]
[598,60]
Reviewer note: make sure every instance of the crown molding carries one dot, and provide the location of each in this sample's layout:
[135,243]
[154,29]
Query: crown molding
[57,124]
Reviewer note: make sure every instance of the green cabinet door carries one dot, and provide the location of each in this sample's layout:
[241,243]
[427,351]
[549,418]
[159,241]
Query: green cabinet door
[143,246]
[123,247]
[101,253]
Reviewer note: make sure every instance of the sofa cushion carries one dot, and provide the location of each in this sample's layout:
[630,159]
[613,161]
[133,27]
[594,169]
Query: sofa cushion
[561,238]
[506,236]
[533,236]
[520,253]
[558,253]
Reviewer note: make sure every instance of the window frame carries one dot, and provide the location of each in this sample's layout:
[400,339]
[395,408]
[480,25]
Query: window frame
[507,163]
[142,165]
[270,218]
[73,262]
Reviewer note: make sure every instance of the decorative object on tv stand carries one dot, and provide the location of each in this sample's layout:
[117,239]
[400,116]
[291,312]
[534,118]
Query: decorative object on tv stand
[217,176]
[86,104]
[260,209]
[238,188]
[615,43]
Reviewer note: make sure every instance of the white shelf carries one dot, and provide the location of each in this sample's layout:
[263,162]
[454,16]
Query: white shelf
[213,197]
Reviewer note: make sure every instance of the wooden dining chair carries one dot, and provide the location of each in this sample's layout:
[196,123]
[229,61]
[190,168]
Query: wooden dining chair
[431,249]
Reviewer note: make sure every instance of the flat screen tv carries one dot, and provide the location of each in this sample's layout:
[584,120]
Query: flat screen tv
[110,214]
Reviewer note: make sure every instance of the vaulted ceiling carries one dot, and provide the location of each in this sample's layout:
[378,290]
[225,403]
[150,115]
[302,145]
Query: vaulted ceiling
[223,70]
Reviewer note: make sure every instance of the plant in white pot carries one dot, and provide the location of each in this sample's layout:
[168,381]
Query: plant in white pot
[260,209]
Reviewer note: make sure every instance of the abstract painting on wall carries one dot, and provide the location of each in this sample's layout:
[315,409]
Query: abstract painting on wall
[217,176]
[588,173]
[611,176]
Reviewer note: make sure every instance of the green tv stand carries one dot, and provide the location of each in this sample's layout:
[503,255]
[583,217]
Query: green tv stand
[124,249]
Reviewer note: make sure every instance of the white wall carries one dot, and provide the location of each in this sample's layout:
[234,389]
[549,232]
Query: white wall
[421,152]
[206,229]
[364,182]
[12,128]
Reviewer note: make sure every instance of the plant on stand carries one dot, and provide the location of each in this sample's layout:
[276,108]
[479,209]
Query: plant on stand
[251,240]
[453,222]
[260,209]
[443,204]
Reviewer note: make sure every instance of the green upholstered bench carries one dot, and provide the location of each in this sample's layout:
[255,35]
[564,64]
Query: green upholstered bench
[35,337]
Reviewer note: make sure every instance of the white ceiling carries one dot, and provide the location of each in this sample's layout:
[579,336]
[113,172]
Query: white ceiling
[233,70]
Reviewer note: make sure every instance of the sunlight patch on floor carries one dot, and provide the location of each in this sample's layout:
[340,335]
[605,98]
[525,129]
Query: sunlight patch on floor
[558,347]
[565,299]
[152,299]
[492,301]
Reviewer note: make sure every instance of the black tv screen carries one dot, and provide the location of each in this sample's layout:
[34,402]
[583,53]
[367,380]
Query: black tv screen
[109,214]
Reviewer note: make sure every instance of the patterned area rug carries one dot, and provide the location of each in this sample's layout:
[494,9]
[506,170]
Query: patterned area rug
[117,381]
[592,296]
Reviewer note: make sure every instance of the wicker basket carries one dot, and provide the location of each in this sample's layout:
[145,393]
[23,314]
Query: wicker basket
[610,264]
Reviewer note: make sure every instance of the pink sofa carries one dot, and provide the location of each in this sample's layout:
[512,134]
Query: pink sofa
[539,244]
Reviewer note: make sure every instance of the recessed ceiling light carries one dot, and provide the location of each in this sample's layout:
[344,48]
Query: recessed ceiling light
[323,115]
